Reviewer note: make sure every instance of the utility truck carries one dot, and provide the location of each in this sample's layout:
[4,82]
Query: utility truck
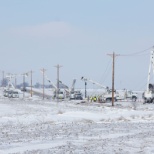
[148,94]
[71,93]
[106,96]
[11,93]
[9,90]
[66,92]
[74,94]
[126,94]
[58,93]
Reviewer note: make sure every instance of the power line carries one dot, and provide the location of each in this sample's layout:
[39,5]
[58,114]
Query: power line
[106,72]
[139,53]
[142,54]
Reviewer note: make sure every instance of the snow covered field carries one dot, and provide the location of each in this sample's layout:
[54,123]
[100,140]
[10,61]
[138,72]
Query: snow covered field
[36,126]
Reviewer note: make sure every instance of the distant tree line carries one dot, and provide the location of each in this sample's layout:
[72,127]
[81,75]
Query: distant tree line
[4,83]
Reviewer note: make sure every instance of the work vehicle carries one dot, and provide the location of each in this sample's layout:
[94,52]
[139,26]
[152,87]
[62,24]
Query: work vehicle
[11,93]
[126,94]
[76,95]
[9,90]
[58,93]
[148,94]
[106,96]
[15,94]
[23,89]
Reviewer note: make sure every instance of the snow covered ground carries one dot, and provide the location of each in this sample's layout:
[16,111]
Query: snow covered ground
[36,126]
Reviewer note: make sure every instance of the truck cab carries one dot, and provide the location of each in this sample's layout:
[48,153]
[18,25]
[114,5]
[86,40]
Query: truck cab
[11,93]
[76,95]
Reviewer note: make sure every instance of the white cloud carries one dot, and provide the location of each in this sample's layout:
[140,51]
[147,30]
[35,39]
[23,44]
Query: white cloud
[52,29]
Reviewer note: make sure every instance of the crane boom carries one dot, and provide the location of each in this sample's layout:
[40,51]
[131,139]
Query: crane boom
[50,81]
[94,82]
[9,77]
[148,95]
[150,65]
[73,85]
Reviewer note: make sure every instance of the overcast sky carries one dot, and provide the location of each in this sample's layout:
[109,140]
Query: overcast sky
[77,34]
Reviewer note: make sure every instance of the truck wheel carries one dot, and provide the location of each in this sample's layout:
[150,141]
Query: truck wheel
[145,101]
[108,100]
[134,99]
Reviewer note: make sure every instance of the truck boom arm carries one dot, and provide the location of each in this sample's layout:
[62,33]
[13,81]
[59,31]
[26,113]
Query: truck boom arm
[50,81]
[93,82]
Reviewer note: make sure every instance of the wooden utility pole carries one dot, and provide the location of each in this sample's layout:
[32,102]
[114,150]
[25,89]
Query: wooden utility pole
[31,83]
[85,89]
[113,78]
[113,69]
[57,91]
[15,81]
[23,86]
[3,79]
[43,71]
[85,81]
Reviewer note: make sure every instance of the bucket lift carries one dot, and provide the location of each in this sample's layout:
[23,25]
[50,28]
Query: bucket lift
[10,90]
[10,86]
[148,95]
[57,92]
[105,96]
[118,95]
